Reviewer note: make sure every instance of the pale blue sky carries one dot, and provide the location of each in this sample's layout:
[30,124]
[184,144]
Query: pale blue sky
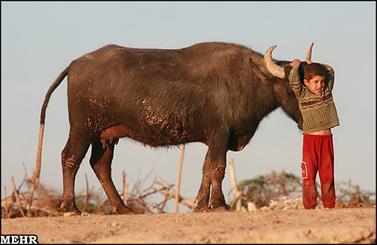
[38,40]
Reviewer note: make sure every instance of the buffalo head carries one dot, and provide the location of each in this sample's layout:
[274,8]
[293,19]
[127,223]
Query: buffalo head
[281,89]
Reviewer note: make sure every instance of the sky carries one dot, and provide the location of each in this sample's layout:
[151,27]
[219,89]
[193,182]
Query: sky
[39,39]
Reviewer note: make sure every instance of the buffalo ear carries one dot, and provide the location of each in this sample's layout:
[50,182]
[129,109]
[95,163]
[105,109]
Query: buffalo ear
[301,70]
[287,69]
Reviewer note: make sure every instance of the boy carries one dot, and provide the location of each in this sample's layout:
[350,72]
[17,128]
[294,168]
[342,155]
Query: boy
[319,116]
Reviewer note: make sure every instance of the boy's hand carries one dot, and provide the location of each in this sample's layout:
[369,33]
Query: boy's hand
[295,63]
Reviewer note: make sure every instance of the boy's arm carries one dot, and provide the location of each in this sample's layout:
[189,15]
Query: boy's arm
[295,81]
[330,76]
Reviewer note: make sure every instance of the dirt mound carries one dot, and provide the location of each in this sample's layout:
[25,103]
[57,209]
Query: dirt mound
[339,225]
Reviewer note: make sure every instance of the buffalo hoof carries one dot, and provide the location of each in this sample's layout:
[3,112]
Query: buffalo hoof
[122,210]
[221,208]
[201,210]
[69,210]
[70,214]
[226,208]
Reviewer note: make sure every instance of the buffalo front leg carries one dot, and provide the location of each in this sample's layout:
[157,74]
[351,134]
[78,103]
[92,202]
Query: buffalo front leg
[212,176]
[217,201]
[100,161]
[72,155]
[201,200]
[217,171]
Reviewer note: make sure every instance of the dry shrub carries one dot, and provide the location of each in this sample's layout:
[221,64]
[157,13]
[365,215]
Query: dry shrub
[45,201]
[262,190]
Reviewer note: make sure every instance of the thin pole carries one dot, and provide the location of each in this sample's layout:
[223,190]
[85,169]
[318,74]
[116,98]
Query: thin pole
[237,193]
[178,177]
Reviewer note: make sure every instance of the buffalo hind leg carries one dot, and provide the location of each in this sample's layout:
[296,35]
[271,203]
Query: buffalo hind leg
[100,161]
[72,155]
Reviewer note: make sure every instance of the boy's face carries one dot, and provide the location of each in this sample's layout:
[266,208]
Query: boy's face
[316,84]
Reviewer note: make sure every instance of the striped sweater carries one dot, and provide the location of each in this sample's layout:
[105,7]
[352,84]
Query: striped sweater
[318,112]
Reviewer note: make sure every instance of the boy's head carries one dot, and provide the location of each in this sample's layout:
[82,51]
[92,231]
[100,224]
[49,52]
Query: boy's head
[314,77]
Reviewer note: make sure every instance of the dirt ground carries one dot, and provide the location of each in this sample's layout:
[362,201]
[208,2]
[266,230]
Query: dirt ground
[340,225]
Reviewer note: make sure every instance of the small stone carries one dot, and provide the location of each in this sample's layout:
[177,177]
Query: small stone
[251,207]
[69,214]
[264,208]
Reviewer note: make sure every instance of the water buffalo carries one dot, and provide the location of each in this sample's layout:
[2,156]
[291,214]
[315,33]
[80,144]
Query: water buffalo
[215,93]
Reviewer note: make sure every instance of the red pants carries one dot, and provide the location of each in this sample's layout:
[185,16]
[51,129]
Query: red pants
[318,155]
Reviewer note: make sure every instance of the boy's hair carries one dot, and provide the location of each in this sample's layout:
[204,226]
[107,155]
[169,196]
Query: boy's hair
[314,69]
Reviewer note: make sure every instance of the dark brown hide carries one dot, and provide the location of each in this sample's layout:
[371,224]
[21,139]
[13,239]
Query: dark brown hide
[214,93]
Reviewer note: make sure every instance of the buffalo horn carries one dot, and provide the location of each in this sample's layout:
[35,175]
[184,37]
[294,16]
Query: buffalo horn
[308,58]
[273,68]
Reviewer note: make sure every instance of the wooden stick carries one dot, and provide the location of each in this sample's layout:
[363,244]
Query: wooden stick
[237,193]
[26,175]
[34,183]
[178,177]
[125,187]
[166,198]
[154,190]
[184,200]
[49,211]
[7,206]
[85,208]
[37,171]
[163,182]
[17,197]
